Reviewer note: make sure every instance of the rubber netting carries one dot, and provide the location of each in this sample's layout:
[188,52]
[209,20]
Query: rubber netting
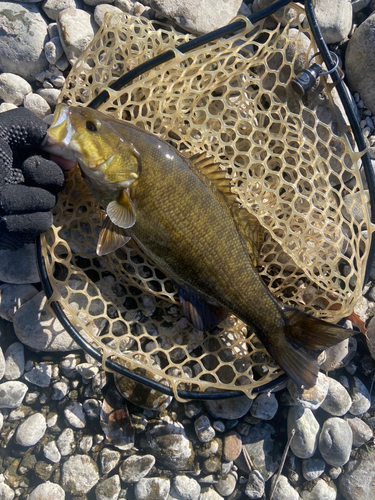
[290,161]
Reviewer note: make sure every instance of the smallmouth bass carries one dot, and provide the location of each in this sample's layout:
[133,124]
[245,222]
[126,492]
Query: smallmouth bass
[181,212]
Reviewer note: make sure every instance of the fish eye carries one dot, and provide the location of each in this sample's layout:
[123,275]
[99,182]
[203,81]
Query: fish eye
[92,126]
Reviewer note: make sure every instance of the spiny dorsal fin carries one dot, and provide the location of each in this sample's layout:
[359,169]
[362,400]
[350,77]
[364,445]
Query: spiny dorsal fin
[205,165]
[251,232]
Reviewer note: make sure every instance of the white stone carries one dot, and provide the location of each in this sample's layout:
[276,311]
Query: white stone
[53,7]
[40,375]
[81,472]
[74,414]
[47,491]
[6,492]
[53,50]
[101,10]
[156,487]
[6,106]
[51,452]
[12,394]
[36,104]
[50,95]
[14,361]
[31,430]
[334,18]
[13,88]
[66,442]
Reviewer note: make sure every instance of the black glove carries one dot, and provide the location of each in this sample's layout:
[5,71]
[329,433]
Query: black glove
[28,184]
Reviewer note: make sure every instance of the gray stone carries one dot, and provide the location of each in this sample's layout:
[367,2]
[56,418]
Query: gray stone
[167,441]
[19,266]
[221,409]
[66,442]
[203,429]
[134,468]
[86,443]
[76,29]
[310,398]
[255,485]
[358,482]
[12,394]
[210,494]
[87,370]
[335,441]
[360,61]
[53,7]
[101,10]
[50,95]
[40,375]
[36,327]
[94,3]
[335,356]
[31,430]
[12,297]
[37,104]
[60,390]
[53,50]
[109,489]
[156,488]
[6,492]
[14,361]
[115,421]
[264,406]
[359,5]
[109,459]
[305,440]
[79,474]
[23,35]
[73,412]
[361,431]
[51,452]
[92,408]
[197,16]
[263,450]
[337,401]
[52,77]
[360,396]
[13,88]
[226,484]
[187,487]
[312,468]
[47,491]
[284,490]
[334,18]
[319,491]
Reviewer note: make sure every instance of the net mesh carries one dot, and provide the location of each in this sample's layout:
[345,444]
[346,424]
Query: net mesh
[291,164]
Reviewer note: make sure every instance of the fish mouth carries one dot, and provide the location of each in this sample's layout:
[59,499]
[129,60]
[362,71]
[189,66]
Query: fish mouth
[59,139]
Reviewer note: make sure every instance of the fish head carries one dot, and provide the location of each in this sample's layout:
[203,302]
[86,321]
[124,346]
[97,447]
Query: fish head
[89,137]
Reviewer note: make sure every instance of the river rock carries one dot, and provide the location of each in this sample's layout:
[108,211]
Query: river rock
[12,297]
[334,18]
[319,490]
[19,266]
[335,356]
[66,442]
[263,449]
[12,394]
[53,50]
[203,429]
[109,489]
[187,487]
[362,433]
[312,468]
[47,491]
[13,88]
[101,10]
[79,474]
[305,440]
[310,398]
[337,401]
[335,441]
[284,490]
[14,361]
[232,446]
[53,7]
[156,488]
[23,35]
[50,95]
[109,459]
[37,104]
[197,16]
[74,414]
[237,408]
[360,396]
[2,363]
[360,62]
[51,452]
[36,327]
[40,375]
[134,468]
[167,441]
[31,430]
[264,406]
[76,29]
[255,485]
[358,482]
[115,421]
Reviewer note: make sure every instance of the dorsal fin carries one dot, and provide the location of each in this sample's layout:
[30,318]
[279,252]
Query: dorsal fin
[250,231]
[211,170]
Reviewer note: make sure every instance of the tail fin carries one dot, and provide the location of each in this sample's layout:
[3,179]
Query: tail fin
[306,337]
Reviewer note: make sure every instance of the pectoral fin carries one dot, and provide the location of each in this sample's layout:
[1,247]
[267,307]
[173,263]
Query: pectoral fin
[201,315]
[111,238]
[121,211]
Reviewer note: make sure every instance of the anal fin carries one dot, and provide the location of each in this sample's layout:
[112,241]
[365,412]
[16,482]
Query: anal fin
[198,312]
[111,238]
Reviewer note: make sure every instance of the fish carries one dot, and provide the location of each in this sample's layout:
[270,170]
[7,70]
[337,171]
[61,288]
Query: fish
[183,215]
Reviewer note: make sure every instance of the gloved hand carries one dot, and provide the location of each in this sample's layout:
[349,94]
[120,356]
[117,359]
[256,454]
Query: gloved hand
[28,182]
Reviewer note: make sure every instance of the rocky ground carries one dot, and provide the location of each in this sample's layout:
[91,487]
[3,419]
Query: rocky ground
[58,437]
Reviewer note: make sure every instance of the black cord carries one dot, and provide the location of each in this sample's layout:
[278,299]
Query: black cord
[185,47]
[353,120]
